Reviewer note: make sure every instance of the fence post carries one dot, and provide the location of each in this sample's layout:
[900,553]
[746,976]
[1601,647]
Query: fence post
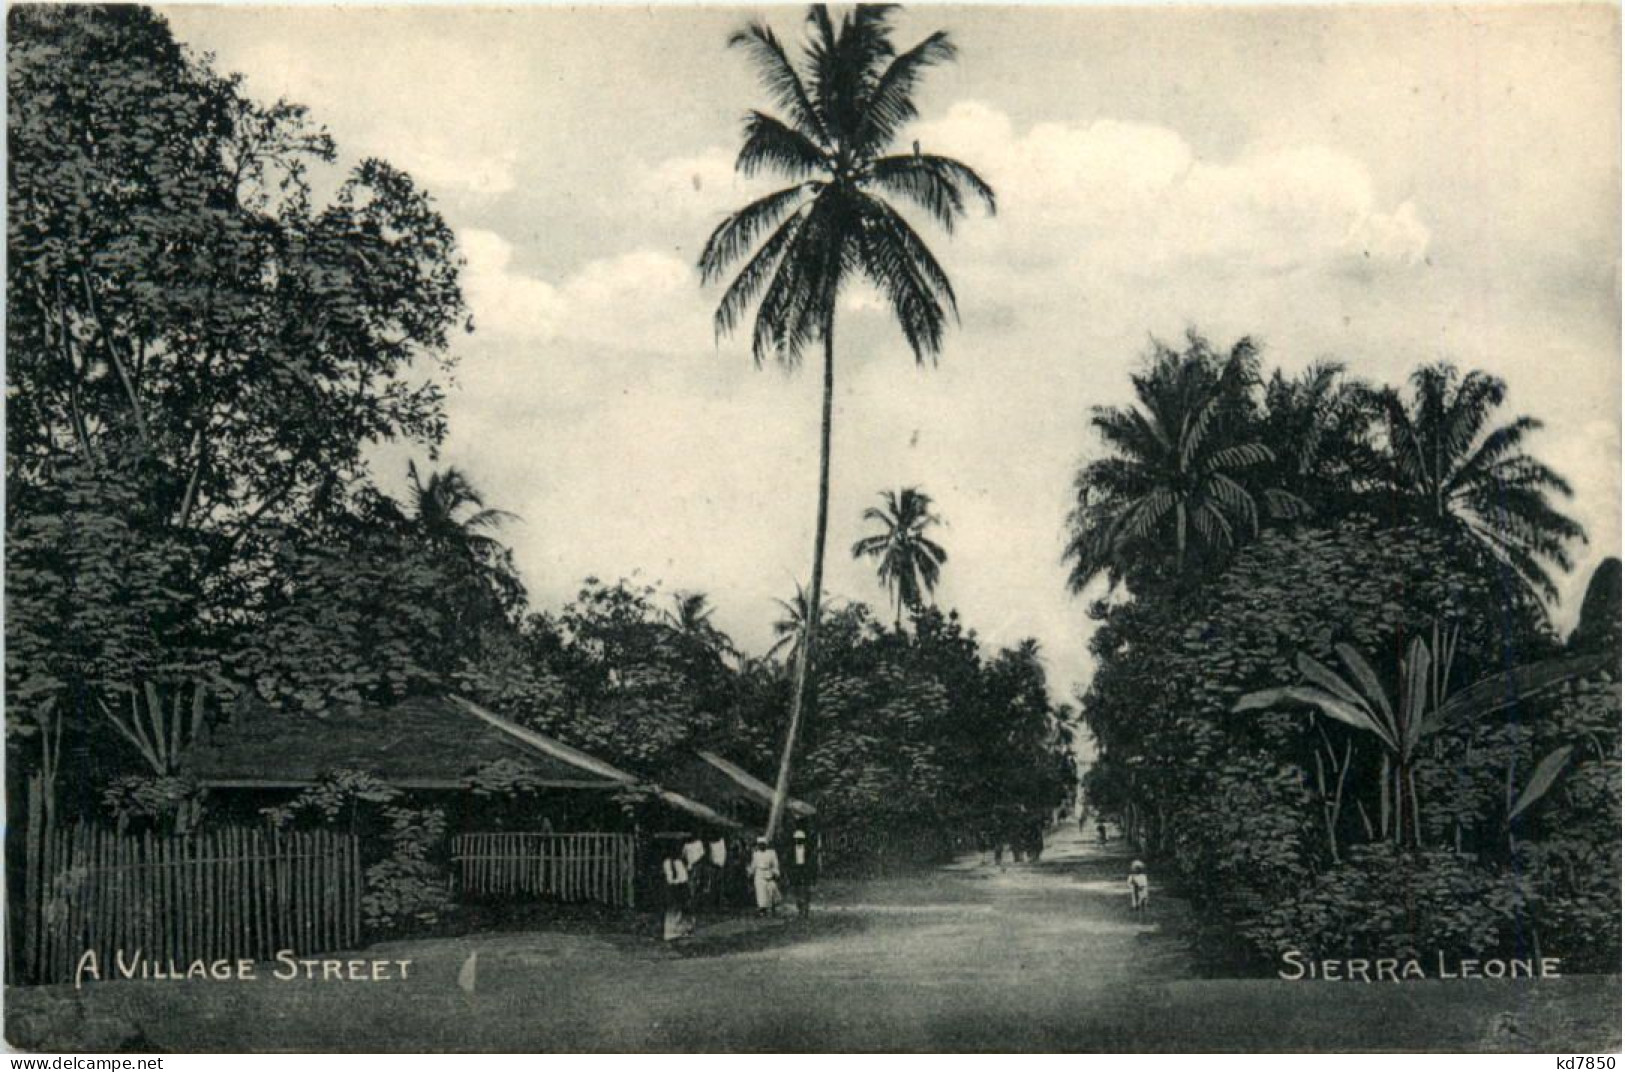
[32,915]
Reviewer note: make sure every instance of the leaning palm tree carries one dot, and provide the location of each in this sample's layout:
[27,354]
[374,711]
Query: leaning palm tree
[1444,462]
[844,103]
[1175,476]
[909,561]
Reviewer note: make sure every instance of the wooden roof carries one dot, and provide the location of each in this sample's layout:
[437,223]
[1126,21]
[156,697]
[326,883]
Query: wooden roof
[711,777]
[420,743]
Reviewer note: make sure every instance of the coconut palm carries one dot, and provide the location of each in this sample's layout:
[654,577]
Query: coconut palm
[1446,465]
[791,627]
[1175,476]
[844,103]
[909,561]
[447,511]
[690,616]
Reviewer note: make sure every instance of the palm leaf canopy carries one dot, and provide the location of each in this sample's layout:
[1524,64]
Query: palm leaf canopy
[1176,471]
[1445,461]
[842,102]
[910,562]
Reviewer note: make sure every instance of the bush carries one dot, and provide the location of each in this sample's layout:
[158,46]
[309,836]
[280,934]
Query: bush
[1384,902]
[404,888]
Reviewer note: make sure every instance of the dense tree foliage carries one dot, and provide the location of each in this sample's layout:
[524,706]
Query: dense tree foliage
[199,352]
[1362,704]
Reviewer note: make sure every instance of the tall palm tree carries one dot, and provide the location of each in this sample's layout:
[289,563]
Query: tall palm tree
[844,104]
[1445,464]
[909,561]
[1176,471]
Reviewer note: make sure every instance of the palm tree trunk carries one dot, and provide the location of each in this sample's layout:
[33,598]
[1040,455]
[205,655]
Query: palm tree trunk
[809,626]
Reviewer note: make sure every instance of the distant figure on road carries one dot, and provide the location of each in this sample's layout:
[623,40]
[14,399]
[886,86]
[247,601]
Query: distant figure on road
[679,924]
[1100,831]
[764,875]
[1139,886]
[803,872]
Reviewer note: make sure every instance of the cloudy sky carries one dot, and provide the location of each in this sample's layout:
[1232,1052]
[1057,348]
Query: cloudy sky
[1379,185]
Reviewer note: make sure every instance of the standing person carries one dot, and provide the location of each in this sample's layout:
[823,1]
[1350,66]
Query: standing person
[764,874]
[803,872]
[716,855]
[694,860]
[1139,886]
[1100,831]
[678,923]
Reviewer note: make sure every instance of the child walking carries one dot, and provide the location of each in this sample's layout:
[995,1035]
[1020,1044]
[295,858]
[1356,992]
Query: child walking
[1139,887]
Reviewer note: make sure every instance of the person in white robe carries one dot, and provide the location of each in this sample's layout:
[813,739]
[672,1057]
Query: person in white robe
[764,875]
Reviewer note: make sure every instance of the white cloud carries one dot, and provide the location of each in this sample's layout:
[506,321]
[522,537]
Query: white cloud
[1135,198]
[504,302]
[644,300]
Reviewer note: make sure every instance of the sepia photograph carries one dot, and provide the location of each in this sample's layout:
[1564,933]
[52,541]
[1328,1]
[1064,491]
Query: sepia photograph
[813,529]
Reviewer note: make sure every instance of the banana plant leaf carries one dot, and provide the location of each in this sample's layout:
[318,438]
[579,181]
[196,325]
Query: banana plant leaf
[1418,666]
[1327,703]
[1371,684]
[1541,781]
[1499,691]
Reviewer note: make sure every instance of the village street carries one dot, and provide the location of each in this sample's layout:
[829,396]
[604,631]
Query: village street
[1042,956]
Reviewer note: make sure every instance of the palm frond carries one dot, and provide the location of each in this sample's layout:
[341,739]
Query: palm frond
[779,75]
[891,104]
[734,237]
[770,143]
[936,184]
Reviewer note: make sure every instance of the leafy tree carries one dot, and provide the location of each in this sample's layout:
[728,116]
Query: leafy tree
[177,295]
[1598,627]
[198,352]
[910,562]
[610,674]
[845,103]
[1176,475]
[1444,463]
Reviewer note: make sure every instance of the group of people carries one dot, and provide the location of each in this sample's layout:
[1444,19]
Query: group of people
[707,873]
[1022,838]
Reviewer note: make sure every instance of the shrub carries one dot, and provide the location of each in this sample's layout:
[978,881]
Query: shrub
[1381,901]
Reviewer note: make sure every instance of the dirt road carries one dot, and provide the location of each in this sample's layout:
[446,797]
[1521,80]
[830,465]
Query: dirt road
[1043,956]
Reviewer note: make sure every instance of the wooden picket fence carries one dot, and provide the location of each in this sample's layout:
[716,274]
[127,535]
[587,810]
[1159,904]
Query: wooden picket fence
[593,867]
[229,893]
